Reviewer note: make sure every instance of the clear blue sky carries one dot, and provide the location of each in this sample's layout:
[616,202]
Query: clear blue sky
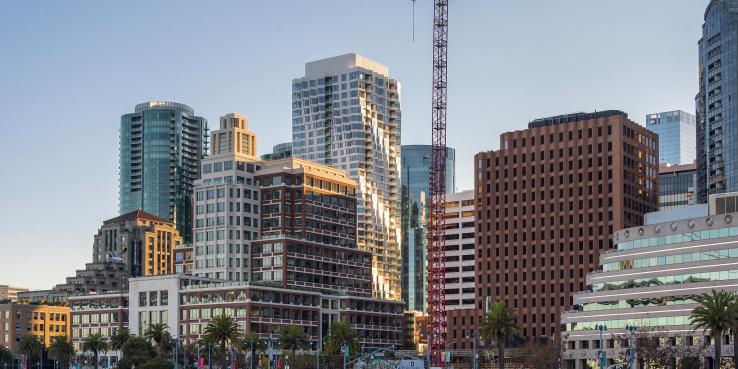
[70,69]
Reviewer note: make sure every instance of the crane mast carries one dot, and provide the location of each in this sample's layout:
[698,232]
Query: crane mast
[437,242]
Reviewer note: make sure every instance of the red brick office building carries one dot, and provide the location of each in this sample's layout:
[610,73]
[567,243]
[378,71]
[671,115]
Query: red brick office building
[547,202]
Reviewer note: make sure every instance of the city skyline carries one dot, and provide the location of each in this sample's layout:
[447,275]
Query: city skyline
[70,69]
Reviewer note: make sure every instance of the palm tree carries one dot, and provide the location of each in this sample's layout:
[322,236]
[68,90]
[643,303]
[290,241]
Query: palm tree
[158,333]
[716,313]
[5,354]
[222,330]
[253,343]
[292,337]
[498,323]
[342,334]
[62,350]
[94,343]
[29,346]
[119,339]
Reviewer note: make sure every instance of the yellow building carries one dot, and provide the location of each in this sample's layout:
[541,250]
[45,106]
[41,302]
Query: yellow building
[43,321]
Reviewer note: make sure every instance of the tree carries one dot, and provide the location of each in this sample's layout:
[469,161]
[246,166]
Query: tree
[222,330]
[717,313]
[156,363]
[29,346]
[62,350]
[158,334]
[5,355]
[499,323]
[119,339]
[292,337]
[136,351]
[94,343]
[252,343]
[342,334]
[539,355]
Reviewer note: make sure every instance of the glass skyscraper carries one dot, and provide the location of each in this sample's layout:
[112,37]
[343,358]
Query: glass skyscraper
[717,123]
[416,161]
[346,113]
[161,146]
[677,186]
[676,130]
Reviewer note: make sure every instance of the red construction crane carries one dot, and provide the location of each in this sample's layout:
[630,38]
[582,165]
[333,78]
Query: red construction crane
[437,242]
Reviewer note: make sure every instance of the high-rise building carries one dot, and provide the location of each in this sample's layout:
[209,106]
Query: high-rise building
[42,321]
[717,122]
[547,202]
[10,293]
[652,281]
[415,177]
[459,230]
[677,185]
[676,130]
[227,203]
[161,146]
[308,229]
[346,113]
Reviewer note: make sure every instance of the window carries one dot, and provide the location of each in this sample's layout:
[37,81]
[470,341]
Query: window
[142,299]
[152,298]
[164,298]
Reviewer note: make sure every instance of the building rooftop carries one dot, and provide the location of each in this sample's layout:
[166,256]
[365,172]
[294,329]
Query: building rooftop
[574,117]
[155,104]
[676,168]
[136,214]
[341,63]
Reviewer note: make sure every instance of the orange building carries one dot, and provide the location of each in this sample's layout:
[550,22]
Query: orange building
[43,321]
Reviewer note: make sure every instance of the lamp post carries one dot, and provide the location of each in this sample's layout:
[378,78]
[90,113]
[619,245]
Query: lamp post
[631,345]
[473,337]
[602,355]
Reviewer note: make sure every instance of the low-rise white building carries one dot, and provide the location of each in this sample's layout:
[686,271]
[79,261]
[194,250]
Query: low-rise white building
[154,299]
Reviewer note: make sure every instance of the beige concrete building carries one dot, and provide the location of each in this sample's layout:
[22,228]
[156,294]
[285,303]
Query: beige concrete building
[226,212]
[10,293]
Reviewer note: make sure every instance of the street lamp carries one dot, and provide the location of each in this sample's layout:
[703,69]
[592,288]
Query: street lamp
[473,337]
[631,329]
[602,355]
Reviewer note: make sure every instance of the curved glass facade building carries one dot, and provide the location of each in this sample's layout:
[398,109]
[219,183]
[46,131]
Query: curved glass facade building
[161,146]
[651,281]
[415,202]
[717,119]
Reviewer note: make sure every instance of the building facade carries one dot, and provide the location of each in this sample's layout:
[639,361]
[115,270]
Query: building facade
[308,229]
[279,151]
[677,185]
[677,132]
[10,293]
[227,203]
[651,282]
[460,251]
[183,260]
[717,122]
[547,202]
[161,146]
[346,113]
[415,177]
[43,321]
[144,242]
[102,314]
